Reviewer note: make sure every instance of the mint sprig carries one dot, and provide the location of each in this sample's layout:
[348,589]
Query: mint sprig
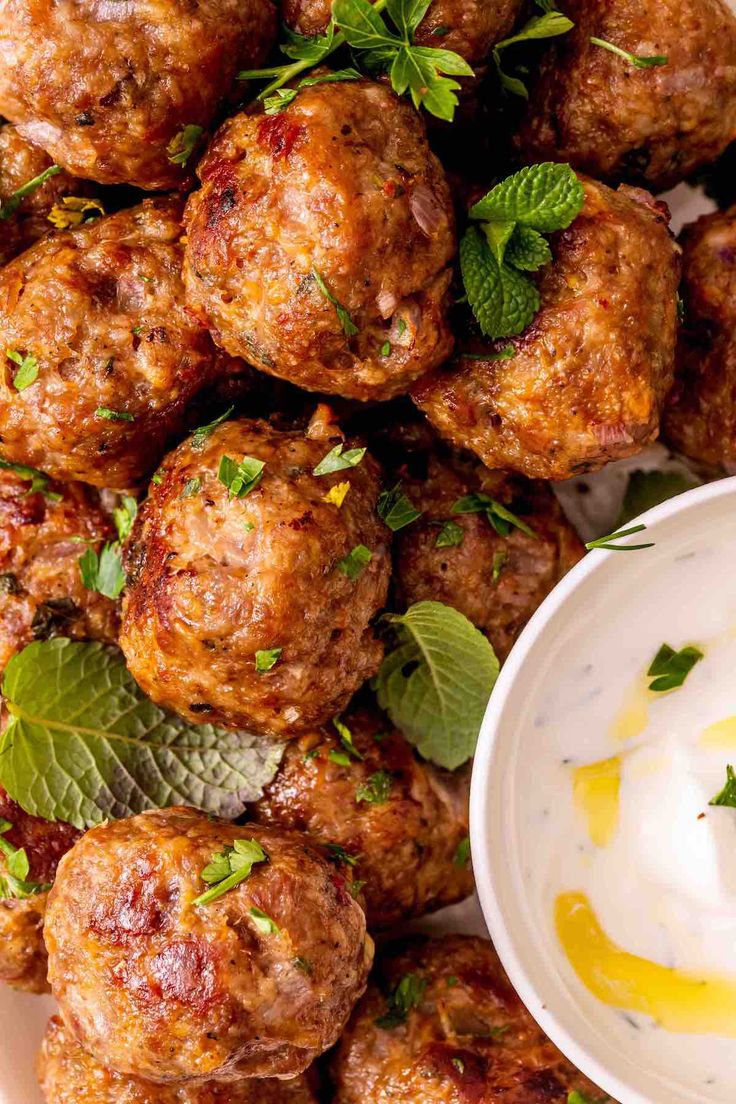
[508,243]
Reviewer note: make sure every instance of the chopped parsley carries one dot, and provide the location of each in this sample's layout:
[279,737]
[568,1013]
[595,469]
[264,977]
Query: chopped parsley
[386,349]
[348,326]
[608,541]
[502,520]
[337,460]
[114,415]
[38,479]
[500,559]
[124,515]
[240,478]
[450,535]
[346,738]
[183,144]
[103,571]
[355,562]
[266,659]
[459,1065]
[727,796]
[340,757]
[641,61]
[10,205]
[201,435]
[13,882]
[376,789]
[669,668]
[395,509]
[27,369]
[191,488]
[229,868]
[462,853]
[336,853]
[264,923]
[303,964]
[408,994]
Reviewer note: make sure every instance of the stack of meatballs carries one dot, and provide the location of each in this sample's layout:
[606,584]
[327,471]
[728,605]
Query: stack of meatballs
[299,300]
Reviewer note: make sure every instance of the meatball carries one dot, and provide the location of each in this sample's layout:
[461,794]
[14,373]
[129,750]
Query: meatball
[319,245]
[642,125]
[23,960]
[41,590]
[399,820]
[587,379]
[700,418]
[469,27]
[108,89]
[68,1075]
[21,162]
[154,981]
[466,1036]
[110,357]
[253,609]
[496,579]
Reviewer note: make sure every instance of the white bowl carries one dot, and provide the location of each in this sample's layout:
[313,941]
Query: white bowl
[593,610]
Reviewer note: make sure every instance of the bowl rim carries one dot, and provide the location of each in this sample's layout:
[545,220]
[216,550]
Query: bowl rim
[486,860]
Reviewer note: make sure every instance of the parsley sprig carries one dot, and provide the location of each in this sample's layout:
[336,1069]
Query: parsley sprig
[507,241]
[550,24]
[408,994]
[13,881]
[498,516]
[425,73]
[229,868]
[640,61]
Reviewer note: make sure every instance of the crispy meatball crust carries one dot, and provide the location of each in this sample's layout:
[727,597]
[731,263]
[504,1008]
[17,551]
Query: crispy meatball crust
[588,377]
[700,418]
[340,187]
[653,126]
[23,960]
[41,590]
[497,582]
[21,161]
[101,308]
[156,986]
[104,87]
[469,27]
[469,1040]
[68,1075]
[207,592]
[406,842]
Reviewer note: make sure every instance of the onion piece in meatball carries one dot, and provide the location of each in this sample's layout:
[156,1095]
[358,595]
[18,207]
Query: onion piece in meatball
[400,821]
[161,977]
[105,356]
[700,418]
[587,379]
[319,245]
[651,125]
[250,606]
[68,1075]
[466,1034]
[106,86]
[23,959]
[42,537]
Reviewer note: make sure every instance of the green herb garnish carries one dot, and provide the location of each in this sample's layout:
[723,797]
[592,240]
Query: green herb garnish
[38,479]
[376,789]
[27,369]
[201,435]
[450,535]
[114,415]
[408,994]
[646,489]
[336,853]
[103,571]
[348,326]
[281,99]
[124,515]
[502,520]
[607,541]
[182,145]
[727,796]
[500,559]
[10,205]
[264,923]
[191,488]
[669,668]
[240,478]
[395,509]
[355,562]
[337,460]
[229,868]
[14,880]
[641,61]
[462,853]
[267,658]
[346,738]
[550,24]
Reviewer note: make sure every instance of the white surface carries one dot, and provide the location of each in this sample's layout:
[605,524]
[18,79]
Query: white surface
[596,614]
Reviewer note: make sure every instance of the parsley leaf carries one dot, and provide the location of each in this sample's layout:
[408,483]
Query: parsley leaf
[607,541]
[395,509]
[203,433]
[727,796]
[124,515]
[348,326]
[182,145]
[281,99]
[103,571]
[502,520]
[10,205]
[266,659]
[549,25]
[436,682]
[462,853]
[356,560]
[229,868]
[408,994]
[240,478]
[376,789]
[337,460]
[39,480]
[669,668]
[113,415]
[264,923]
[346,737]
[450,535]
[27,369]
[500,559]
[13,882]
[336,853]
[580,1098]
[640,61]
[191,488]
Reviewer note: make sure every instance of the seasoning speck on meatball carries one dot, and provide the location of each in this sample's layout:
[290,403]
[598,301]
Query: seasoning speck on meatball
[587,379]
[253,581]
[168,968]
[100,356]
[319,245]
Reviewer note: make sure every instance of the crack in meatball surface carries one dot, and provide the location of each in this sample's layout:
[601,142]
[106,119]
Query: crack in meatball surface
[319,244]
[155,985]
[215,579]
[106,85]
[588,378]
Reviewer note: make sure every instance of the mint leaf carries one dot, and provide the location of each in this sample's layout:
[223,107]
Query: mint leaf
[647,489]
[669,668]
[10,205]
[84,743]
[497,235]
[435,684]
[527,249]
[201,435]
[727,796]
[546,197]
[503,300]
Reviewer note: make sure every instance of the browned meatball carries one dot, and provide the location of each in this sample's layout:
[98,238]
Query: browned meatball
[469,27]
[649,125]
[336,200]
[68,1075]
[467,1036]
[700,418]
[496,580]
[216,580]
[21,162]
[23,959]
[253,983]
[105,87]
[117,355]
[398,819]
[588,377]
[41,590]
